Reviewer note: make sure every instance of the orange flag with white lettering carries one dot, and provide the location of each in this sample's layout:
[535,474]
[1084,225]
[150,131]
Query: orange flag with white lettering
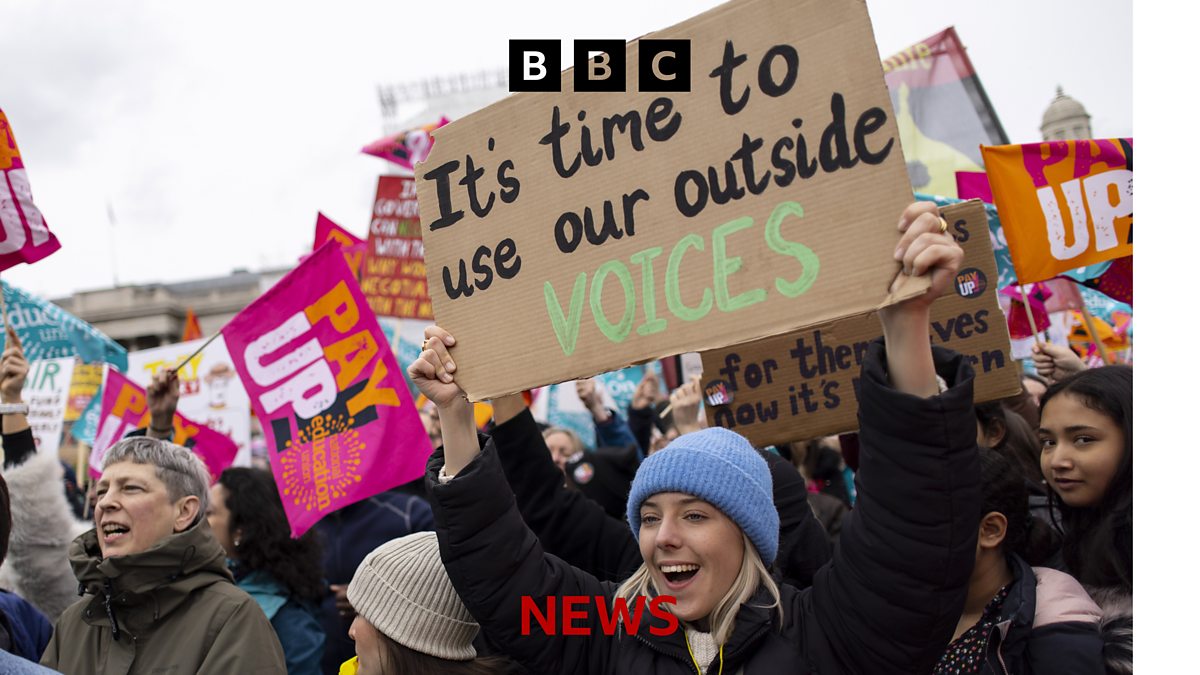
[1063,204]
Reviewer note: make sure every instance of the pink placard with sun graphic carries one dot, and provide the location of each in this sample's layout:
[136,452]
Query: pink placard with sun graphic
[338,418]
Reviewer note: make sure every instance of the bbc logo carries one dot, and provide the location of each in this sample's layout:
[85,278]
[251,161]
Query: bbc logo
[663,65]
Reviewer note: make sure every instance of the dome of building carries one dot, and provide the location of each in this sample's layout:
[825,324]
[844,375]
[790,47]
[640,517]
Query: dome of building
[1066,118]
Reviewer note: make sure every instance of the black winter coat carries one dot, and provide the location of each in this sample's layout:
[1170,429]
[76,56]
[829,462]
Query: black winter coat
[888,601]
[581,532]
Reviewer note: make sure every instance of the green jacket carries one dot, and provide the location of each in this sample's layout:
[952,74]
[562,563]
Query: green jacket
[171,609]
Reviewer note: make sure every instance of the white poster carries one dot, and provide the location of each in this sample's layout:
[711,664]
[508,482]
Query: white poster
[47,388]
[209,389]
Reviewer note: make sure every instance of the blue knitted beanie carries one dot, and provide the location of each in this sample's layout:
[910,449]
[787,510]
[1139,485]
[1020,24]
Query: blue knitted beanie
[722,468]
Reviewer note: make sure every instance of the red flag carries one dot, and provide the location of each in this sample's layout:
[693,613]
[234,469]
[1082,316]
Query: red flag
[191,327]
[1018,319]
[1117,280]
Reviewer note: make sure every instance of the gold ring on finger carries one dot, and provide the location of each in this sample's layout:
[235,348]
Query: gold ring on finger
[942,225]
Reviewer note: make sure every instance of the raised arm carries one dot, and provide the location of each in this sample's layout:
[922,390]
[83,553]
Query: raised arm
[491,556]
[43,526]
[891,597]
[569,525]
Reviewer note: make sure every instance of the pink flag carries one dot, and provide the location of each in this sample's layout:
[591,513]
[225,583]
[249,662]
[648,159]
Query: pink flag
[1063,295]
[353,247]
[339,421]
[24,237]
[123,409]
[407,147]
[1018,320]
[974,184]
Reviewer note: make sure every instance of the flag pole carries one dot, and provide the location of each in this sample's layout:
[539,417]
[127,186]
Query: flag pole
[1029,314]
[1091,329]
[197,352]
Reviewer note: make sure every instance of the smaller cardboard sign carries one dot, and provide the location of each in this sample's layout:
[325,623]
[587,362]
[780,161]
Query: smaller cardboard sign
[802,385]
[1063,204]
[393,274]
[47,388]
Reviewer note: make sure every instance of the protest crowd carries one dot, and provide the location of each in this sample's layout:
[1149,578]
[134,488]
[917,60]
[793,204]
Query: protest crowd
[924,465]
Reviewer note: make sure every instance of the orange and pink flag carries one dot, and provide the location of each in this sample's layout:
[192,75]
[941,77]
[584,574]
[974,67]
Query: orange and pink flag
[338,418]
[24,237]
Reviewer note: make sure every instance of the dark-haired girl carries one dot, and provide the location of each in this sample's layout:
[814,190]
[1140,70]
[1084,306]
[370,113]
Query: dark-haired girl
[1086,434]
[1018,618]
[282,574]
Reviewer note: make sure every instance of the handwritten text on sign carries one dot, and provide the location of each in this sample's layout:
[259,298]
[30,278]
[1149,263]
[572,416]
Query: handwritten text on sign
[597,230]
[803,384]
[393,278]
[47,390]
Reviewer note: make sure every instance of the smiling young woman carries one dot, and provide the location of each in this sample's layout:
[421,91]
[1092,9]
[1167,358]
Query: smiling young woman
[703,514]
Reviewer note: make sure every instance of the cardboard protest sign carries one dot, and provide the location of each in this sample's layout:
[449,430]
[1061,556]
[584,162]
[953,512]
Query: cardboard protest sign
[592,231]
[1063,204]
[209,389]
[24,237]
[353,247]
[393,277]
[123,408]
[942,111]
[339,422]
[803,385]
[86,379]
[47,387]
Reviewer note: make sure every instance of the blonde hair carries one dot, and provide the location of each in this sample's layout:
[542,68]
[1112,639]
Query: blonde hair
[576,441]
[752,574]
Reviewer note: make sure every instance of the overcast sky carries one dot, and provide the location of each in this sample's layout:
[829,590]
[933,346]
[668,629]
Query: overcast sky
[217,130]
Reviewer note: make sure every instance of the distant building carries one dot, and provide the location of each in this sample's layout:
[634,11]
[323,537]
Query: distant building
[151,315]
[1065,119]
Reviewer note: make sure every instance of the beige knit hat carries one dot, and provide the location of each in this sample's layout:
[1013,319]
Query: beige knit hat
[402,589]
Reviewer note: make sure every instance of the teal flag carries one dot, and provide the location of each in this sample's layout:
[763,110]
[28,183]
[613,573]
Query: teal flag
[47,331]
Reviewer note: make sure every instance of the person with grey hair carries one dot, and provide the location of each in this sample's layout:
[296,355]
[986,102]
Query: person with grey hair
[158,595]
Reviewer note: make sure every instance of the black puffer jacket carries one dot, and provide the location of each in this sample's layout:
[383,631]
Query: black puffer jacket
[888,602]
[583,534]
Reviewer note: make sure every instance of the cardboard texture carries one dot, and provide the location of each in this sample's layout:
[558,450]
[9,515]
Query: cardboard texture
[802,385]
[570,233]
[393,271]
